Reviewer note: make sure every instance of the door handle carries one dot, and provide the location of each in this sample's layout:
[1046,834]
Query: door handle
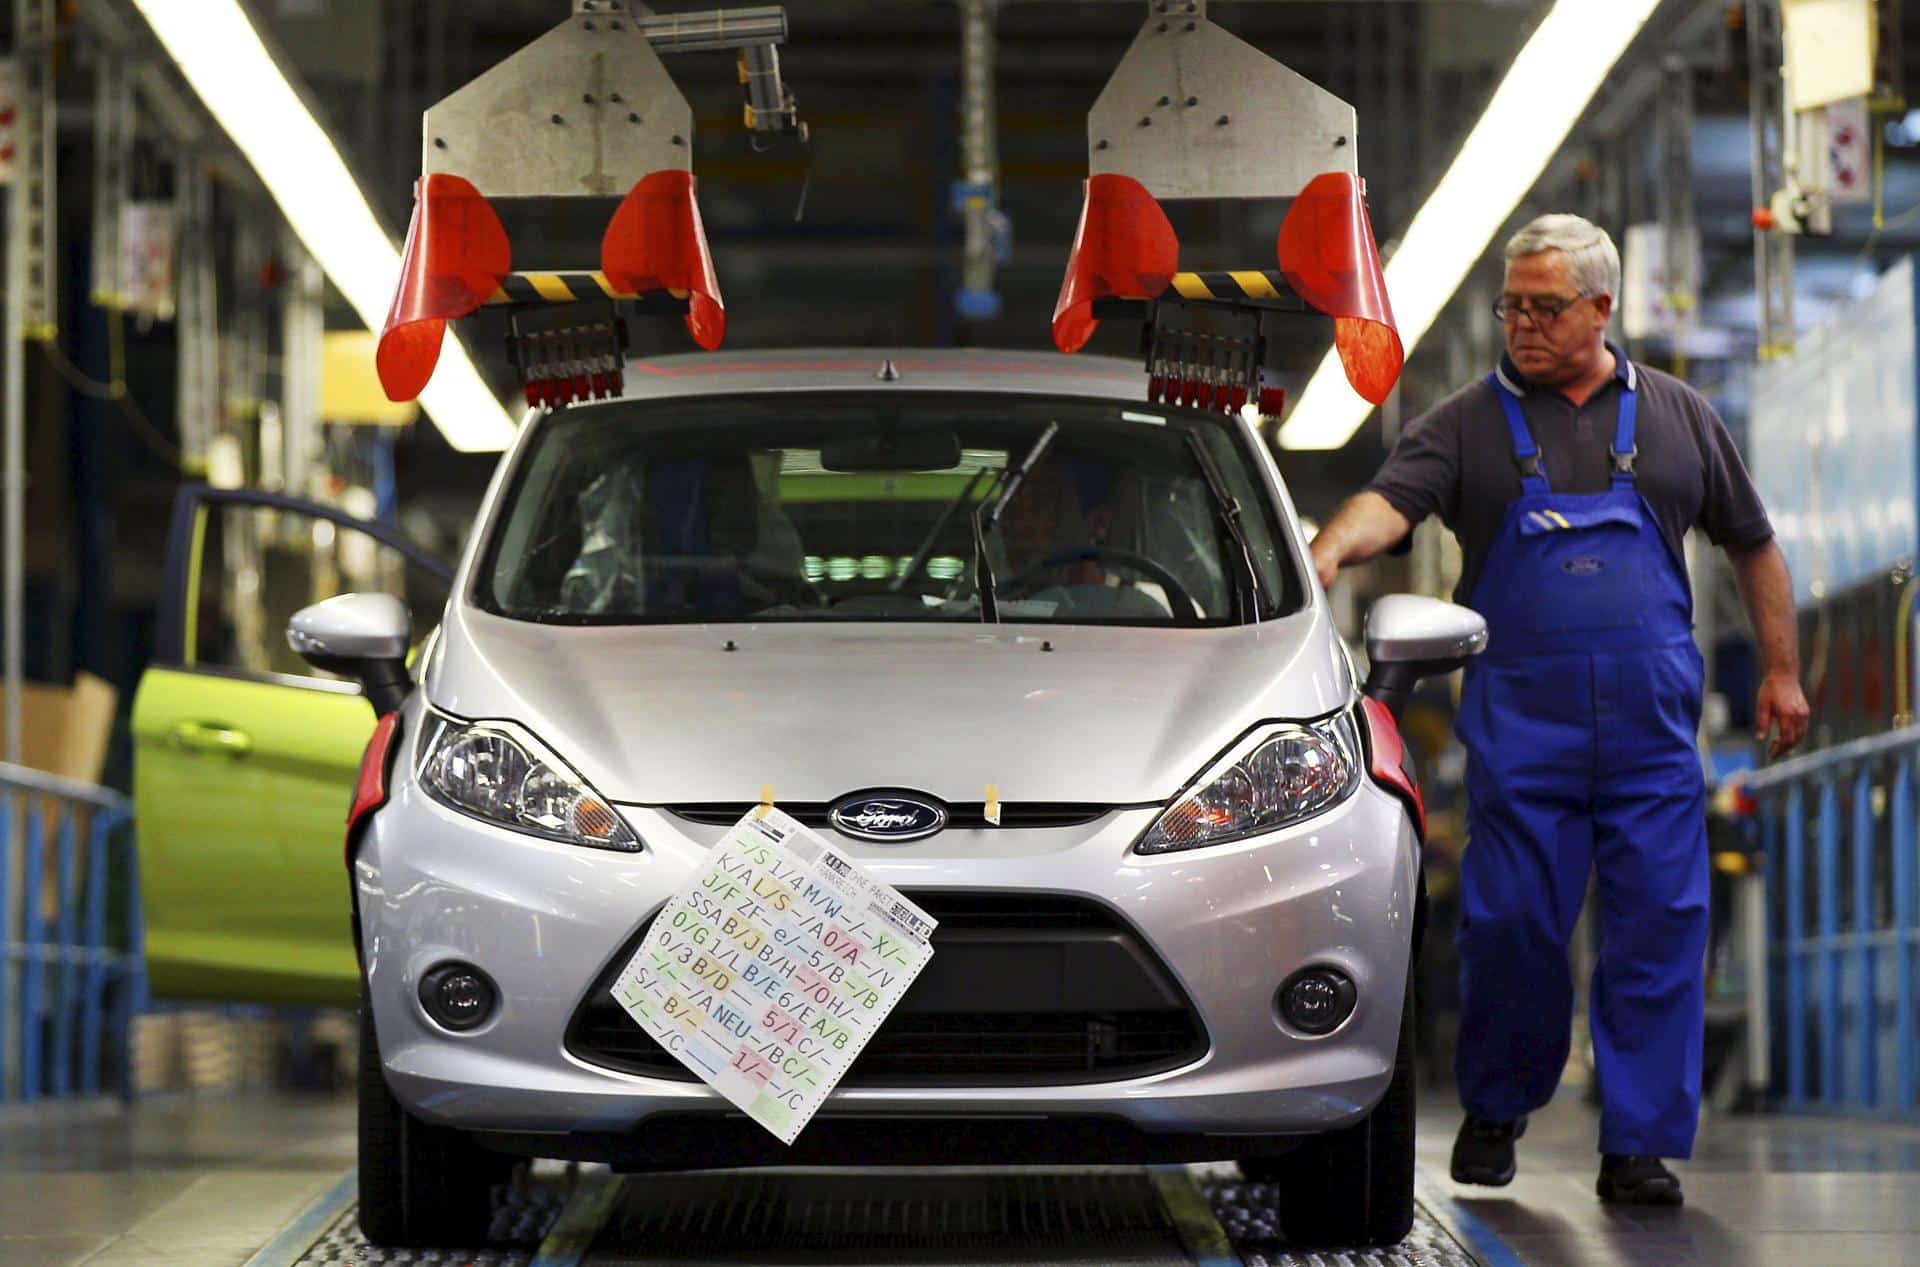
[198,736]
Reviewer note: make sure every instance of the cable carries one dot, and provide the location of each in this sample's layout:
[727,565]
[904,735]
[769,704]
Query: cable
[116,389]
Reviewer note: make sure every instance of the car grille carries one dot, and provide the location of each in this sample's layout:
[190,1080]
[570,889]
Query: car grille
[1022,990]
[966,815]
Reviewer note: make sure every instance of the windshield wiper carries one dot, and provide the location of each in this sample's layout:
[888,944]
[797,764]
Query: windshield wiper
[983,571]
[1252,592]
[933,535]
[982,519]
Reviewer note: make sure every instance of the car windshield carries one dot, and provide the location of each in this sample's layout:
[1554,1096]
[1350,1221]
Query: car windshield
[876,506]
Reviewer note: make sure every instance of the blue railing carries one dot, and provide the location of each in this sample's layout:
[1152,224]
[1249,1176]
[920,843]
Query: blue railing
[72,970]
[1843,925]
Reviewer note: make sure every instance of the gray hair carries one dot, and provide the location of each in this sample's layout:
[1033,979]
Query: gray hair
[1593,262]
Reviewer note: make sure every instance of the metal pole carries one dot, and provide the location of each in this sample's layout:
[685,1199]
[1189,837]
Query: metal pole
[13,479]
[1674,200]
[709,30]
[303,332]
[978,190]
[1767,115]
[29,207]
[1752,919]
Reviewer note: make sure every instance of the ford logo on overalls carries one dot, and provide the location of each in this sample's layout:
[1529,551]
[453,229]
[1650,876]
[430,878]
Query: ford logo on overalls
[1585,565]
[886,819]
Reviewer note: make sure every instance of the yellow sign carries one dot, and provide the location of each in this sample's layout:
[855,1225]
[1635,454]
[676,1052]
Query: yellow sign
[350,390]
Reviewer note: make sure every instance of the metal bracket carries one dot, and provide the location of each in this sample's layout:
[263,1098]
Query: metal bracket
[569,352]
[1193,111]
[1218,367]
[587,109]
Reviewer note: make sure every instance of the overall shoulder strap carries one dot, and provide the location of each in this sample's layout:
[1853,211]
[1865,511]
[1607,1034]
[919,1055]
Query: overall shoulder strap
[1625,451]
[1526,454]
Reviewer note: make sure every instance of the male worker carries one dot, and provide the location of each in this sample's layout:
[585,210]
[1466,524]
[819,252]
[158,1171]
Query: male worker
[1570,477]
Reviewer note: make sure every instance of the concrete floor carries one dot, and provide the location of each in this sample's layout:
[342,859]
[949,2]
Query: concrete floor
[1761,1192]
[206,1182]
[178,1181]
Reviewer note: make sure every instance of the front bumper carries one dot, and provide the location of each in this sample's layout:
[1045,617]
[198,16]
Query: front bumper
[1230,922]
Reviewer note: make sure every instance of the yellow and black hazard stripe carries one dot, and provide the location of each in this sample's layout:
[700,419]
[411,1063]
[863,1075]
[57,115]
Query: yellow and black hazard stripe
[561,288]
[1235,284]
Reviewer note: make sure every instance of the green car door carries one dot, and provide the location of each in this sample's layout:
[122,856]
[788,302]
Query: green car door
[244,756]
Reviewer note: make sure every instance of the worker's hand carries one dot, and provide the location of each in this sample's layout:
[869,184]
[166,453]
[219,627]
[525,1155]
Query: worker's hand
[1326,560]
[1781,702]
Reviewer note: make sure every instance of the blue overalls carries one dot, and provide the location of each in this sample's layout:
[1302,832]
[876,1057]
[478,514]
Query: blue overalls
[1579,723]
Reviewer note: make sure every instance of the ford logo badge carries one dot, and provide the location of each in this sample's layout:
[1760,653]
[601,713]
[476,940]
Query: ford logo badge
[887,819]
[1585,565]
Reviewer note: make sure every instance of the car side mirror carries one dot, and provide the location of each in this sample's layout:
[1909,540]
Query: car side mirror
[1410,637]
[360,636]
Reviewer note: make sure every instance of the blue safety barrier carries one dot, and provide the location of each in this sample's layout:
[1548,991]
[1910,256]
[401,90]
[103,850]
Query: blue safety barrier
[72,966]
[1843,924]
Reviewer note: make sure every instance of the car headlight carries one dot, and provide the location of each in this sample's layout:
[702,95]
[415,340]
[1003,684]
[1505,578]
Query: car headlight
[496,771]
[1281,775]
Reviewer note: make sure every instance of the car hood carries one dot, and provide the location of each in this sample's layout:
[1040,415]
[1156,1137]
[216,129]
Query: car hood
[699,713]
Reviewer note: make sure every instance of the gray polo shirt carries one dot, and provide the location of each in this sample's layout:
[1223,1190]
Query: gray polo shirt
[1457,461]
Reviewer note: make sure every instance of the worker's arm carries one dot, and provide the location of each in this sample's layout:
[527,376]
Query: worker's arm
[1367,526]
[1767,591]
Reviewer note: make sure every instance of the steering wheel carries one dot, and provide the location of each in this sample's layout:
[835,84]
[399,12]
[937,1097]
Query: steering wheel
[1177,596]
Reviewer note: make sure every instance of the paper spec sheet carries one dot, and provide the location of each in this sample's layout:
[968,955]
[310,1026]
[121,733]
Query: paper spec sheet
[767,975]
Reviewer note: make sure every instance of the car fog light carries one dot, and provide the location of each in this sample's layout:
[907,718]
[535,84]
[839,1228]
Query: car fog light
[1317,1000]
[458,996]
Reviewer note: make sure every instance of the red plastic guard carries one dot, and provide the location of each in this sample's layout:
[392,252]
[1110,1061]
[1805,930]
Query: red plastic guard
[1388,762]
[1124,248]
[370,788]
[456,256]
[655,241]
[1327,254]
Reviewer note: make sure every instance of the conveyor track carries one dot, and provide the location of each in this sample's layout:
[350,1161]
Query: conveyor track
[966,1217]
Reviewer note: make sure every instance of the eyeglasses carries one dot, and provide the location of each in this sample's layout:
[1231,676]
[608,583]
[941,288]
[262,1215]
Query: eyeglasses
[1540,312]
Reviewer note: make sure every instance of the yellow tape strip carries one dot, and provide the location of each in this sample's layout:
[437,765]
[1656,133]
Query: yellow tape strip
[1190,286]
[606,288]
[550,286]
[1193,1220]
[993,804]
[1256,285]
[1558,518]
[766,801]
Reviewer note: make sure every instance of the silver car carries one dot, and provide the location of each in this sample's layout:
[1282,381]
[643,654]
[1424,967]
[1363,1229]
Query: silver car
[872,587]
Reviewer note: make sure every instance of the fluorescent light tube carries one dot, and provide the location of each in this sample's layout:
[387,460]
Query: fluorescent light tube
[1545,92]
[242,86]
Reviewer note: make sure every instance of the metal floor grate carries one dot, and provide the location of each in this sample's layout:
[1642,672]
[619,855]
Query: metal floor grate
[522,1215]
[909,1218]
[952,1218]
[343,1246]
[1245,1211]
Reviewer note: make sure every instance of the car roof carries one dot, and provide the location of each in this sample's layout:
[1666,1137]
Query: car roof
[917,369]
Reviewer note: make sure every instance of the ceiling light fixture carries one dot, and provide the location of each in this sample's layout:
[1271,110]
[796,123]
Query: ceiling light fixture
[242,86]
[1546,90]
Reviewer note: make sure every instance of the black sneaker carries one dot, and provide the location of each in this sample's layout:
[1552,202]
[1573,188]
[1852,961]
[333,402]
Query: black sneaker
[1483,1151]
[1637,1181]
